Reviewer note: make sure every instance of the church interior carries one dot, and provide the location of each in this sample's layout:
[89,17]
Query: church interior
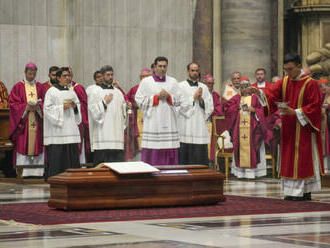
[220,210]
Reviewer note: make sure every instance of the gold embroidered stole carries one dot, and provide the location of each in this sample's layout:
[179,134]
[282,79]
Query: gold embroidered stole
[244,135]
[297,139]
[31,96]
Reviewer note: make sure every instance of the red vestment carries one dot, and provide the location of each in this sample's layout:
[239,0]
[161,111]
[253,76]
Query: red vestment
[271,121]
[83,126]
[19,124]
[296,140]
[217,112]
[267,85]
[257,130]
[46,85]
[131,132]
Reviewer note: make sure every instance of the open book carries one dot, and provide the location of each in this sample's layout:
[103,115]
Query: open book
[131,167]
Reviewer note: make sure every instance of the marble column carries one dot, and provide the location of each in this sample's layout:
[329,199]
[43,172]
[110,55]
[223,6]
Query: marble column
[245,37]
[202,36]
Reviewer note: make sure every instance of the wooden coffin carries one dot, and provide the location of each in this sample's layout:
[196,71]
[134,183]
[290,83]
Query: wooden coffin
[100,188]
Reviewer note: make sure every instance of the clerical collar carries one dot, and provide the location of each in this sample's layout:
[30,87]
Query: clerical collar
[261,84]
[60,87]
[158,79]
[192,83]
[106,86]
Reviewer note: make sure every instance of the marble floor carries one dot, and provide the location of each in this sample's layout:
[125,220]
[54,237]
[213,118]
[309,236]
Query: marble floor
[310,229]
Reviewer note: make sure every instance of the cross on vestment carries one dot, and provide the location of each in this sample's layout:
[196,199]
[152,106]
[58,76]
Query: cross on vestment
[244,122]
[244,136]
[31,94]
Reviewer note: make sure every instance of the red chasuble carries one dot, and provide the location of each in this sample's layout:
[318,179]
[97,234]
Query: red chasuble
[83,126]
[23,128]
[131,132]
[267,85]
[246,132]
[296,140]
[270,121]
[46,86]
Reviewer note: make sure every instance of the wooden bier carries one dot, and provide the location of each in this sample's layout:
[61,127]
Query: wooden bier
[100,188]
[5,142]
[6,146]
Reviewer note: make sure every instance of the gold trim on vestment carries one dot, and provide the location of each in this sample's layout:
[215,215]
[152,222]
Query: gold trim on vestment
[285,82]
[31,96]
[244,135]
[296,155]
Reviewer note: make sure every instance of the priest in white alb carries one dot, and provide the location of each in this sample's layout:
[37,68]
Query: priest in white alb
[158,96]
[61,131]
[107,116]
[194,135]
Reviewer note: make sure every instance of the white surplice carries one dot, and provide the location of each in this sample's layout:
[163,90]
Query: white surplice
[160,129]
[193,123]
[107,120]
[61,126]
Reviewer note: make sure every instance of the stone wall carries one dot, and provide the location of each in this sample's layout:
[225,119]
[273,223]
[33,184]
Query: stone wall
[86,34]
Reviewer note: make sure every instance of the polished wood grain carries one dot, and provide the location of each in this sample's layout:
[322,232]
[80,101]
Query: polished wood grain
[102,188]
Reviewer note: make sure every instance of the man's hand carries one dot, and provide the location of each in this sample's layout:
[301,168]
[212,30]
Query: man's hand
[253,90]
[286,110]
[108,98]
[73,104]
[278,125]
[67,105]
[31,107]
[198,93]
[163,94]
[251,109]
[325,105]
[129,105]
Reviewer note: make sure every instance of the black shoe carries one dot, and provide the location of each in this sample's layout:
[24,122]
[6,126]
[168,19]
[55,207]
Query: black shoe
[288,198]
[307,196]
[298,198]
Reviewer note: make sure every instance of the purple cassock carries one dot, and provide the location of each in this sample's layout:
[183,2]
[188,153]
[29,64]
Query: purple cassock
[19,124]
[160,156]
[258,129]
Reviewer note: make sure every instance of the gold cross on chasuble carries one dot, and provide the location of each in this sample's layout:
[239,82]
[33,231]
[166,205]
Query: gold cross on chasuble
[31,96]
[244,135]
